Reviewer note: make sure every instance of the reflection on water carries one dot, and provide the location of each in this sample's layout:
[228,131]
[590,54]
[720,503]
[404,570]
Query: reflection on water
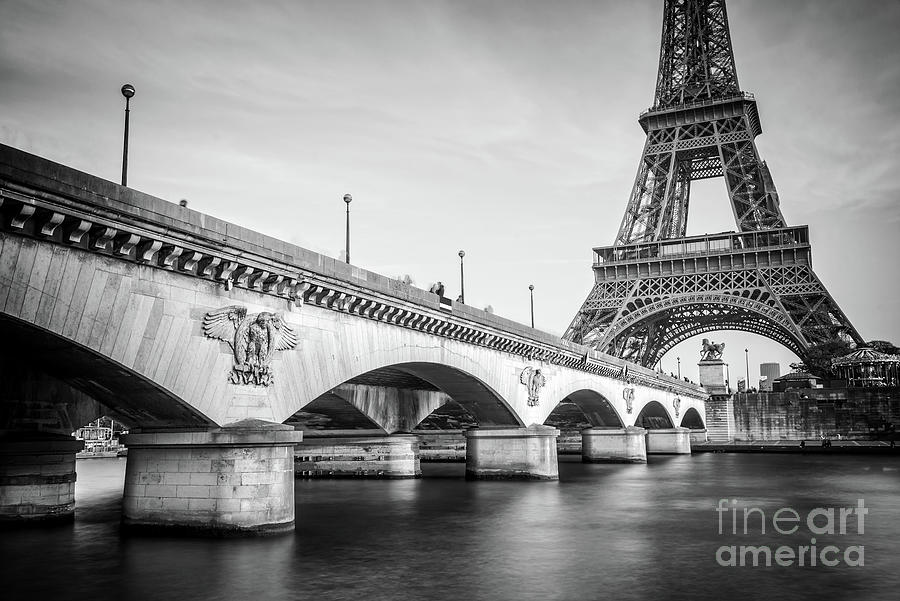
[602,531]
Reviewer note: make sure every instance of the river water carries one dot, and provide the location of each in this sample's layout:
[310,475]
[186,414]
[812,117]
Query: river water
[614,532]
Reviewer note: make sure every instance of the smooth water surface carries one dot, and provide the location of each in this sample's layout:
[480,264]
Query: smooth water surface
[602,532]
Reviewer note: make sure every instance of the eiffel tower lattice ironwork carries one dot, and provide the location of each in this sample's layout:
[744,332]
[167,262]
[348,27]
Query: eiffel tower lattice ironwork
[655,287]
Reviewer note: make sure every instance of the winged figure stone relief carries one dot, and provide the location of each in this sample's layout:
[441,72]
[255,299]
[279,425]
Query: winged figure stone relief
[253,340]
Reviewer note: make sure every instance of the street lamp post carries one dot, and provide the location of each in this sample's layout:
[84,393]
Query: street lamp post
[127,92]
[727,379]
[747,364]
[462,278]
[348,199]
[531,292]
[679,368]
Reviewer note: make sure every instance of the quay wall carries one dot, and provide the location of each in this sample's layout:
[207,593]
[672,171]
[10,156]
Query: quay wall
[797,414]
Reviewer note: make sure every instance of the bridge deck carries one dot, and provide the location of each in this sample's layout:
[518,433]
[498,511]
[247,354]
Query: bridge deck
[47,200]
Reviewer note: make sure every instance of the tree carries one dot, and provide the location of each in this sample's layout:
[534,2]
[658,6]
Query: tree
[817,360]
[883,346]
[819,356]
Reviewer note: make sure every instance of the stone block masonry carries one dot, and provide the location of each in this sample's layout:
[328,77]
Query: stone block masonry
[394,456]
[720,420]
[37,477]
[699,435]
[238,479]
[810,413]
[614,445]
[512,453]
[445,446]
[669,441]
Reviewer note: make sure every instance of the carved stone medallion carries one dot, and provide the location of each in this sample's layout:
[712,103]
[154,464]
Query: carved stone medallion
[253,340]
[676,403]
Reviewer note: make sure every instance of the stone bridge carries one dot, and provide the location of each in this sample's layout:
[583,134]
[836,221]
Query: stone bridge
[221,348]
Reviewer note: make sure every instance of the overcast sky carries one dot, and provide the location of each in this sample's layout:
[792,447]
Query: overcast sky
[507,129]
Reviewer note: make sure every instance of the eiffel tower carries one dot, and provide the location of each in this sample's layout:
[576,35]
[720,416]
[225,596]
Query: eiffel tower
[655,287]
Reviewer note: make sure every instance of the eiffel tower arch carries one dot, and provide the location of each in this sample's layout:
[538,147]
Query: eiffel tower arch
[655,287]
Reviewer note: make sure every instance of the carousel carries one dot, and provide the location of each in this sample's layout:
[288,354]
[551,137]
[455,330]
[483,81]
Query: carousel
[865,367]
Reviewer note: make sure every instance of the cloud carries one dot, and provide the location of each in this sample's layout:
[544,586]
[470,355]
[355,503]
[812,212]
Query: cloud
[508,129]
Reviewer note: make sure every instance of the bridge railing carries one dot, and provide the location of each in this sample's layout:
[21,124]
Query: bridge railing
[45,200]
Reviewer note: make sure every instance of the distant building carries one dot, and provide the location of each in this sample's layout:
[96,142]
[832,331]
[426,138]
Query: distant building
[796,379]
[768,372]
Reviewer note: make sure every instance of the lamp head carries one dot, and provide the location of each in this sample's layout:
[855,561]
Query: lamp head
[461,254]
[347,198]
[531,287]
[128,90]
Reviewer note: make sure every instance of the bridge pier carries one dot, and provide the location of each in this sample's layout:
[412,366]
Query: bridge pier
[614,445]
[37,477]
[442,445]
[512,453]
[698,435]
[235,479]
[669,441]
[395,456]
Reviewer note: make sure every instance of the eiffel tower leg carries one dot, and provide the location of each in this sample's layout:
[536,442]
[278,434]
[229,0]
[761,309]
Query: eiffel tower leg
[753,195]
[809,305]
[652,193]
[599,310]
[674,215]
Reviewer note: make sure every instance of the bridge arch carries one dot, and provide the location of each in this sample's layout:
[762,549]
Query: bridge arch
[469,391]
[675,319]
[59,367]
[654,416]
[595,407]
[692,419]
[399,396]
